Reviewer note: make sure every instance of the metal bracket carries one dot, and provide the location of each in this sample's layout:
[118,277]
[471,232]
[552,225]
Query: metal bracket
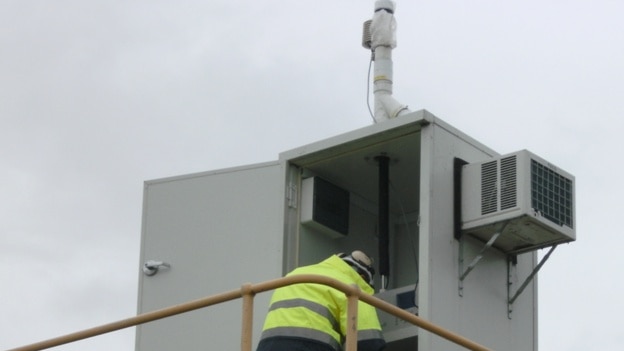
[471,266]
[512,299]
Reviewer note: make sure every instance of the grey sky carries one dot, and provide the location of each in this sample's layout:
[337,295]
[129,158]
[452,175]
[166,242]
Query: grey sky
[98,96]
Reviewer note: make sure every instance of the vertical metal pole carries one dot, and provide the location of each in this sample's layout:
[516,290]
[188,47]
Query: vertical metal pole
[247,327]
[384,218]
[352,317]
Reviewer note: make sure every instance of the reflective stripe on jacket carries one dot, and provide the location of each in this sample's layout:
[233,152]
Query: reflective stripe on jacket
[319,312]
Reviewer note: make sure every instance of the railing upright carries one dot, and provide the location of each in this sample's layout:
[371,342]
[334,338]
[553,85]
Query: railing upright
[247,328]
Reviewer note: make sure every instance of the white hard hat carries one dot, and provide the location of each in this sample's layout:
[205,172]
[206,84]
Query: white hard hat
[362,264]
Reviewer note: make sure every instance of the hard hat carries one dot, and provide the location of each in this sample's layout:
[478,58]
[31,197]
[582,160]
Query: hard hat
[362,264]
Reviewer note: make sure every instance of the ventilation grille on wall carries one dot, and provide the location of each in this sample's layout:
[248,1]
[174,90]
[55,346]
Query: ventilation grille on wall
[325,207]
[529,199]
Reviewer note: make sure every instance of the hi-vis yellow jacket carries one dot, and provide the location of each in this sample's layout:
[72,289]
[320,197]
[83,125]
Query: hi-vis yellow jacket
[319,313]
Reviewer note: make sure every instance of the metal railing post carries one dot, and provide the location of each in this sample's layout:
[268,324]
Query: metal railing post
[247,327]
[352,318]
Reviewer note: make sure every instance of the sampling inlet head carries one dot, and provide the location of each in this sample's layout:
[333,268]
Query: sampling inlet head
[387,5]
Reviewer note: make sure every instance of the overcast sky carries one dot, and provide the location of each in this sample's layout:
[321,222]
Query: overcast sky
[98,96]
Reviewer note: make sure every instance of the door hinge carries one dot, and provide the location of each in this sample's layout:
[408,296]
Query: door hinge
[291,195]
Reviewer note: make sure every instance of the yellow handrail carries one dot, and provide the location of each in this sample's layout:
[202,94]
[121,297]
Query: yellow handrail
[247,292]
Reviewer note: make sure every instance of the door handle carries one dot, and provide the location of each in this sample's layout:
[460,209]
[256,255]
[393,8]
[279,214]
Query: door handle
[151,267]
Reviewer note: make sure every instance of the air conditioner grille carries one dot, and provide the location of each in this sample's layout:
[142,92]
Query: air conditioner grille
[509,192]
[551,194]
[489,191]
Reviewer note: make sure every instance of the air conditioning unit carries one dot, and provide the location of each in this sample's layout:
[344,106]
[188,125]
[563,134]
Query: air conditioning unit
[525,198]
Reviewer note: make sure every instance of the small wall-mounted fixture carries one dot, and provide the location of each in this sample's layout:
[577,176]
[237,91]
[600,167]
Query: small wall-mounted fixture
[151,267]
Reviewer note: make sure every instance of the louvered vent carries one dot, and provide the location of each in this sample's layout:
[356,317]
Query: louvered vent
[509,181]
[489,191]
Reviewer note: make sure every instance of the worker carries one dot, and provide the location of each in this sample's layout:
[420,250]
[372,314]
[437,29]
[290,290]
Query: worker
[313,317]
